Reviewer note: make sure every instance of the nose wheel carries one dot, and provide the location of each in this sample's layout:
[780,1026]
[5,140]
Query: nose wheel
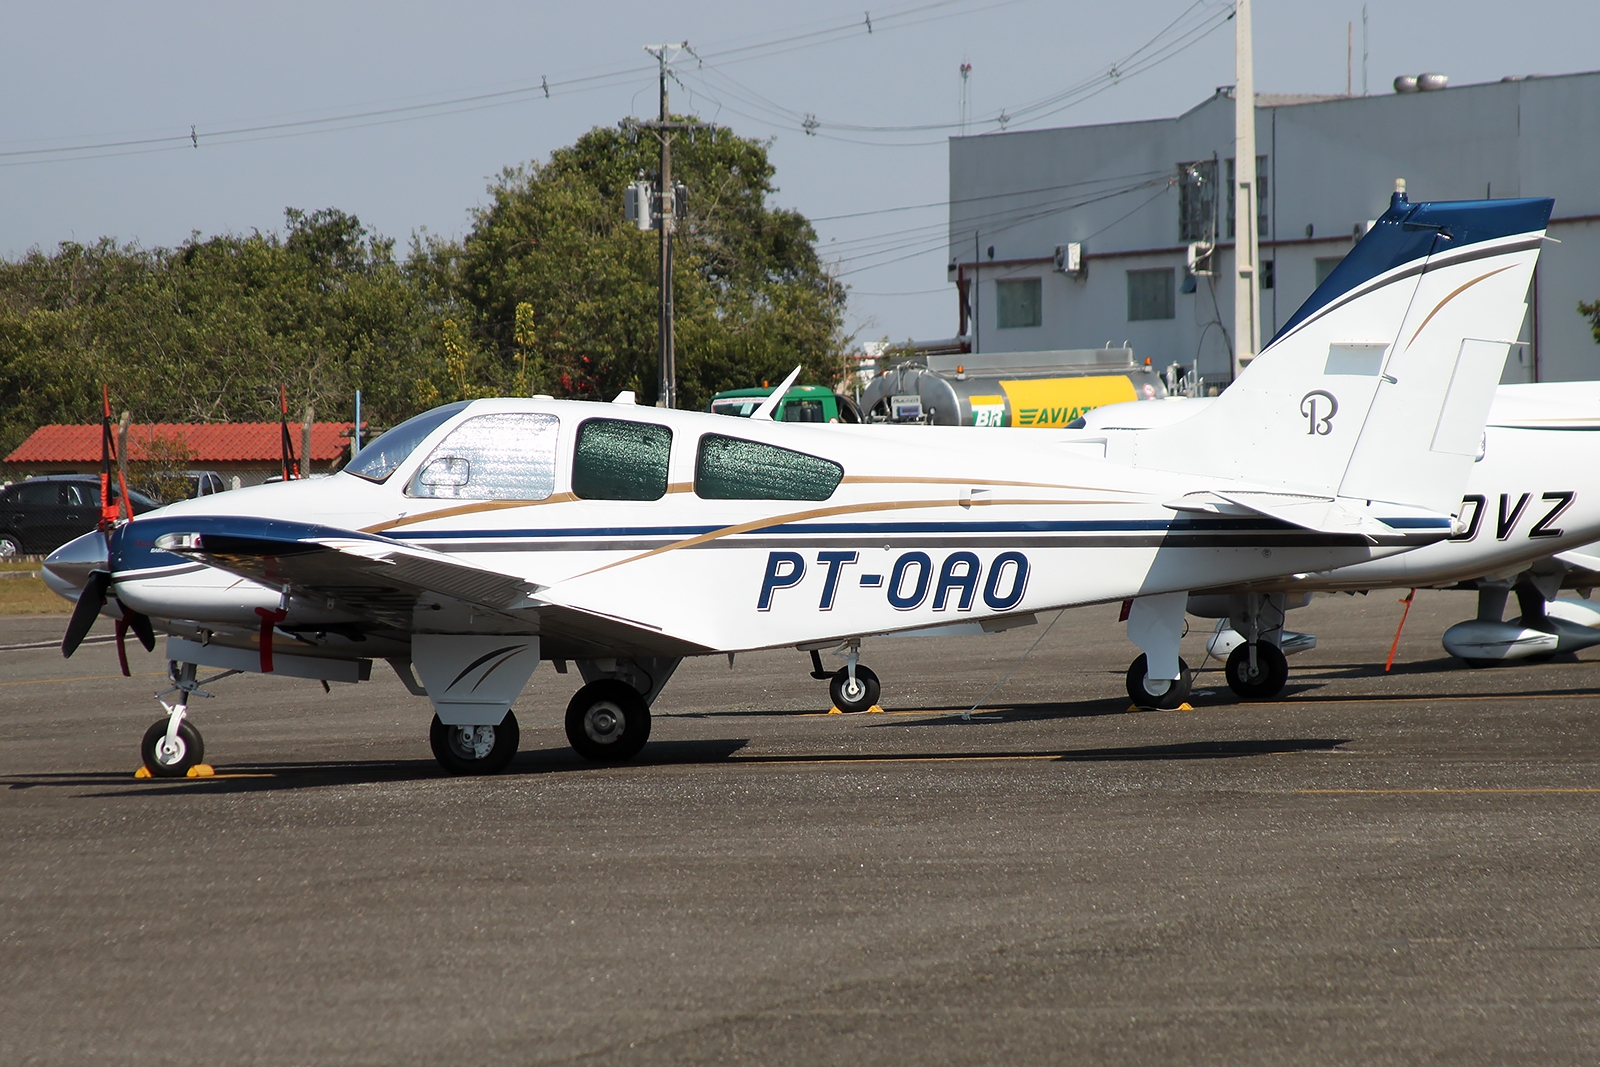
[856,693]
[171,757]
[608,721]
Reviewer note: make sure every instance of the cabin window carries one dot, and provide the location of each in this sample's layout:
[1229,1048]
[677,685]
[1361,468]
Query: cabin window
[730,468]
[507,456]
[620,460]
[1150,294]
[1018,303]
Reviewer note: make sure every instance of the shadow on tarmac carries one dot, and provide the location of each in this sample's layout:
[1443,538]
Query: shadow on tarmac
[270,777]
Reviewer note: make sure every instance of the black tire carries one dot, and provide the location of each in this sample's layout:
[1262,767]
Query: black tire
[191,750]
[865,694]
[10,547]
[459,753]
[1175,695]
[1266,681]
[608,721]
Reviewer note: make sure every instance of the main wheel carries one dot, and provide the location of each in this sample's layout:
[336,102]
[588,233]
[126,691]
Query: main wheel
[1176,692]
[857,696]
[171,761]
[608,721]
[475,749]
[1266,680]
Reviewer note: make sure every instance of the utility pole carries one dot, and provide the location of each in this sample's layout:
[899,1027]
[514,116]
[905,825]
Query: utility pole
[666,200]
[1246,241]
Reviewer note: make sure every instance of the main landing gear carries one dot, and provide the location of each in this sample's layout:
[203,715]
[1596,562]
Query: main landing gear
[475,749]
[1158,694]
[852,687]
[608,721]
[1159,680]
[1258,669]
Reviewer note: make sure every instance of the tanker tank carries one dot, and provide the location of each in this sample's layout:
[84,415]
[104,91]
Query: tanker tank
[1028,389]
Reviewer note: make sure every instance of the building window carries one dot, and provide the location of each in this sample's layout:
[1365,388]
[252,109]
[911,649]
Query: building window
[1197,201]
[1325,265]
[1261,197]
[1150,294]
[1269,273]
[730,468]
[1017,303]
[620,460]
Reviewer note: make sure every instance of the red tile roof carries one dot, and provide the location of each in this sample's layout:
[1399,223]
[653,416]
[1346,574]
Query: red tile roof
[210,442]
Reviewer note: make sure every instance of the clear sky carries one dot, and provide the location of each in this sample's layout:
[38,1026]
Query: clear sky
[84,74]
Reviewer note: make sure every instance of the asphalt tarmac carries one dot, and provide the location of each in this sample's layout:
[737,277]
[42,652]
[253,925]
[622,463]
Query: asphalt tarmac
[1378,868]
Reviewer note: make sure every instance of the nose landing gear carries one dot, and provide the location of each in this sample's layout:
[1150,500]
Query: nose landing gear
[172,747]
[852,687]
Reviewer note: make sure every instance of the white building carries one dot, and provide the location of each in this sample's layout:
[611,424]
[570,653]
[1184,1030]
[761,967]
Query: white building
[1133,195]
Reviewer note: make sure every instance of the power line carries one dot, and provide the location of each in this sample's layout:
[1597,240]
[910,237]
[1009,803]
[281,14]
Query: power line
[1158,49]
[545,88]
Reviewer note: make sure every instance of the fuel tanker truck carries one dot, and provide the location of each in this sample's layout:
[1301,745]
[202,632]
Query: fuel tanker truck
[1039,389]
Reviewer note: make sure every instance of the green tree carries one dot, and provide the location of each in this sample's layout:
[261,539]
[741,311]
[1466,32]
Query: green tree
[1592,313]
[206,331]
[752,297]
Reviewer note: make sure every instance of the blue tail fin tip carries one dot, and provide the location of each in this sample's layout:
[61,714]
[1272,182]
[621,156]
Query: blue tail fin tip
[1410,231]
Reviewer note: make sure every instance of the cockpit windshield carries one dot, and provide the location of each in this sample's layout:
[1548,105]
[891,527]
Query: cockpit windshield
[379,459]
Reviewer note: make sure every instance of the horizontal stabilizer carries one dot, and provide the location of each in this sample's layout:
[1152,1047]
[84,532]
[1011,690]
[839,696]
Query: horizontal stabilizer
[1324,514]
[1586,558]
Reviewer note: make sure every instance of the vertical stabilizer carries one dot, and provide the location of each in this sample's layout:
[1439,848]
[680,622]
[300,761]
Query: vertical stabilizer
[1379,386]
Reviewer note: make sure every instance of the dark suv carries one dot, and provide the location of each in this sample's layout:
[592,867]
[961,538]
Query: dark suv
[42,514]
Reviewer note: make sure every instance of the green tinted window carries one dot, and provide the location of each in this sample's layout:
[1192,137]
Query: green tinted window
[617,460]
[728,468]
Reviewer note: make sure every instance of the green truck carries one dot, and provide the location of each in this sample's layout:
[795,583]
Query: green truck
[802,403]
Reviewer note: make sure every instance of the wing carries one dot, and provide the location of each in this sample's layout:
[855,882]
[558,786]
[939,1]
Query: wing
[387,585]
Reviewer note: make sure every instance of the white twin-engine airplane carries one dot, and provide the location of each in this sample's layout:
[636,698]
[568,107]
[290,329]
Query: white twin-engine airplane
[479,538]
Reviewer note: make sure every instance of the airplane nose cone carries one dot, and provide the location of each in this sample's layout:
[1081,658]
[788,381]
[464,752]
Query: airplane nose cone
[67,568]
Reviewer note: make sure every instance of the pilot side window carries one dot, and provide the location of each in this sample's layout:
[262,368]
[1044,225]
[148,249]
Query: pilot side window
[729,468]
[616,459]
[507,456]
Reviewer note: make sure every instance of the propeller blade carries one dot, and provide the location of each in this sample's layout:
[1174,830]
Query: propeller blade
[90,601]
[139,623]
[122,647]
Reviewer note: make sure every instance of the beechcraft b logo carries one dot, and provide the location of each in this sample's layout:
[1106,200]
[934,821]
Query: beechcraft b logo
[1318,408]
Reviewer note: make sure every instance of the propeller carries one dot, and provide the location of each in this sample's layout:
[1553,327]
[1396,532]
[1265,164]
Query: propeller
[90,601]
